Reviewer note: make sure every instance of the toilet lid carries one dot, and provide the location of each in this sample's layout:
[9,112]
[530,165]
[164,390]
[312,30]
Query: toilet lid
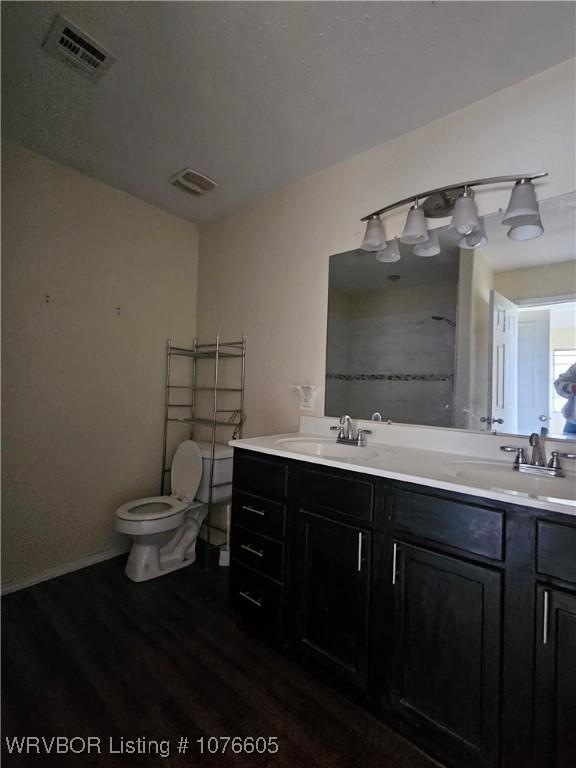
[151,508]
[186,471]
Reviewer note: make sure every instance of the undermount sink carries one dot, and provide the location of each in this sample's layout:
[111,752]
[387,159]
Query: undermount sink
[326,449]
[494,474]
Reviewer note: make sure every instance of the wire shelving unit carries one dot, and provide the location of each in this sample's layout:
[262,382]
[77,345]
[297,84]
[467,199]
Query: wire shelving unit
[217,419]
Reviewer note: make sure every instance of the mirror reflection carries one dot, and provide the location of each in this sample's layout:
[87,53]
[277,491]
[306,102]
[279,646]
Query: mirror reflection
[475,339]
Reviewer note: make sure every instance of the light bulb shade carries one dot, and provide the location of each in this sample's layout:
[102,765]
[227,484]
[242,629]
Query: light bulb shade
[430,247]
[476,239]
[415,228]
[526,228]
[391,253]
[465,217]
[375,237]
[522,203]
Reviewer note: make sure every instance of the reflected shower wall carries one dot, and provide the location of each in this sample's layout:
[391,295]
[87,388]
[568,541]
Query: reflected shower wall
[392,350]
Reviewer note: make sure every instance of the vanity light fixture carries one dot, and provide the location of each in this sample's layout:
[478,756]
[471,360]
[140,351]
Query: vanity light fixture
[476,239]
[465,218]
[375,237]
[415,230]
[527,228]
[523,213]
[456,200]
[391,253]
[431,247]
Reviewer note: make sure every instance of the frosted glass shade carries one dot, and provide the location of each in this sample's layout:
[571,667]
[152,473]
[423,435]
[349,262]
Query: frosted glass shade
[430,247]
[476,239]
[375,237]
[391,253]
[526,228]
[415,230]
[465,217]
[522,203]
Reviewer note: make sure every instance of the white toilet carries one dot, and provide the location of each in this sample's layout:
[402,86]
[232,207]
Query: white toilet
[165,528]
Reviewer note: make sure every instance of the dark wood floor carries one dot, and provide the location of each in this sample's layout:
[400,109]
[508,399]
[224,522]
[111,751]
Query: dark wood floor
[92,654]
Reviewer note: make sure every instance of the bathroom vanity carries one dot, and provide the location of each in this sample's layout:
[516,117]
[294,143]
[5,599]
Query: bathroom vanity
[450,614]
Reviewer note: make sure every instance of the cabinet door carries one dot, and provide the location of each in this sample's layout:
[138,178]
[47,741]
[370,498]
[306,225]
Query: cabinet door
[555,684]
[445,671]
[333,583]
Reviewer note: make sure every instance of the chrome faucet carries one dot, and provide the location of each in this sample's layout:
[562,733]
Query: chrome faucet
[538,448]
[348,434]
[347,428]
[538,464]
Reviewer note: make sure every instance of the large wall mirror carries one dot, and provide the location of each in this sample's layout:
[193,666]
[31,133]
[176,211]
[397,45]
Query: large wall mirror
[472,339]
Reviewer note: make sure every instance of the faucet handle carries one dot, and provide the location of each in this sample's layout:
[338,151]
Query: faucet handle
[555,457]
[521,457]
[360,439]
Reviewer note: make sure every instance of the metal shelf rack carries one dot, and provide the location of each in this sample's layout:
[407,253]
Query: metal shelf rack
[218,418]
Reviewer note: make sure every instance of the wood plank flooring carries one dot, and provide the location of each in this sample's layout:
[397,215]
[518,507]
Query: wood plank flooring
[92,654]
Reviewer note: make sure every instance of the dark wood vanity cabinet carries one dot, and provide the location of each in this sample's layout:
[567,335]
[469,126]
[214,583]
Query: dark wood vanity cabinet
[445,664]
[258,533]
[555,679]
[453,618]
[331,579]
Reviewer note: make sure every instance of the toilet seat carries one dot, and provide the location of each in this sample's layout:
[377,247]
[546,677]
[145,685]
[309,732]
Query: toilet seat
[151,508]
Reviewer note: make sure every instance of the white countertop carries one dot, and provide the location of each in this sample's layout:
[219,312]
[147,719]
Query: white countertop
[475,476]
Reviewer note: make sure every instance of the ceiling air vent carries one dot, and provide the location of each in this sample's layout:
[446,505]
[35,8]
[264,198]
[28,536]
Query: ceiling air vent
[193,182]
[66,41]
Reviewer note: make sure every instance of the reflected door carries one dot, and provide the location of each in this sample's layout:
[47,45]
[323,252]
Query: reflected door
[503,379]
[533,370]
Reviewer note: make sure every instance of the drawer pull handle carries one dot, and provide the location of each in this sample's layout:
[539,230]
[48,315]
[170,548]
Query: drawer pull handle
[248,548]
[253,600]
[545,618]
[260,512]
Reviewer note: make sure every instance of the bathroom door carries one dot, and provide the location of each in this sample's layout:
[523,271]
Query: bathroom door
[533,370]
[503,376]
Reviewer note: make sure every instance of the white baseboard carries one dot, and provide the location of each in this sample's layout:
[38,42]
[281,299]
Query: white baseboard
[76,565]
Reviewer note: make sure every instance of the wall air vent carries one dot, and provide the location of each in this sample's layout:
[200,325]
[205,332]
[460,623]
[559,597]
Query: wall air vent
[193,182]
[66,41]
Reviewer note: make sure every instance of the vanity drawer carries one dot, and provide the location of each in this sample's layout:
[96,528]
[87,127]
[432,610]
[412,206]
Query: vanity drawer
[256,598]
[446,521]
[556,550]
[260,476]
[258,552]
[260,515]
[346,495]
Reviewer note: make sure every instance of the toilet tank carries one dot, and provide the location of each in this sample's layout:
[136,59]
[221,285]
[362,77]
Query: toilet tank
[222,471]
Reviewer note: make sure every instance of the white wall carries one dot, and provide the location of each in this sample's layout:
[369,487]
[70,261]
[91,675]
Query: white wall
[264,269]
[544,282]
[82,380]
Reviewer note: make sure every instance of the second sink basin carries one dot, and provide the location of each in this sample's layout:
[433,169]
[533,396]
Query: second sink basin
[326,449]
[494,474]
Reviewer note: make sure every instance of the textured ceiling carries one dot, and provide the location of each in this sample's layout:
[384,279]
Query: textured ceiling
[258,94]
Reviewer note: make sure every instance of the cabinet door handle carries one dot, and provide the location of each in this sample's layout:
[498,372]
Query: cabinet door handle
[394,558]
[256,511]
[359,552]
[248,548]
[253,600]
[545,618]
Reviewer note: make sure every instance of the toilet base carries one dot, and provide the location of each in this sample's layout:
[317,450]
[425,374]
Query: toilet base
[154,555]
[144,563]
